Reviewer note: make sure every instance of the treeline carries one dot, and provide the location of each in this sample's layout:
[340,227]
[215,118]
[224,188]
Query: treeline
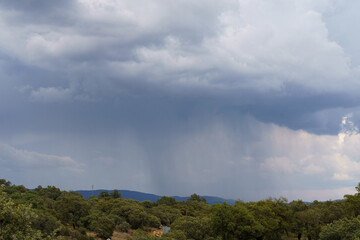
[49,213]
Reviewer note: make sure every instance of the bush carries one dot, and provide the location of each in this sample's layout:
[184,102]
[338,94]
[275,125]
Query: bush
[174,235]
[343,229]
[142,235]
[103,227]
[123,227]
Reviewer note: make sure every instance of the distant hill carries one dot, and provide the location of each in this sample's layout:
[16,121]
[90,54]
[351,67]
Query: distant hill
[140,196]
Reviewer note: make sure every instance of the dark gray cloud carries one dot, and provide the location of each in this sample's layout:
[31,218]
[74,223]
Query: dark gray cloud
[226,99]
[38,6]
[26,12]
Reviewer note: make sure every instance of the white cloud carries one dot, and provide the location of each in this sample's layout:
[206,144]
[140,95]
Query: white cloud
[341,176]
[305,153]
[244,44]
[57,45]
[313,169]
[51,94]
[14,158]
[262,44]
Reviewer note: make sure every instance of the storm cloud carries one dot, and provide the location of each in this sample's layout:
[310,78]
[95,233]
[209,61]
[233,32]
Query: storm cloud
[241,99]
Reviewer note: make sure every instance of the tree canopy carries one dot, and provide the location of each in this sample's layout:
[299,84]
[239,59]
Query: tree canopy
[49,213]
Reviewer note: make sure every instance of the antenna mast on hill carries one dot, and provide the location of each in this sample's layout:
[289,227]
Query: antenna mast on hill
[92,190]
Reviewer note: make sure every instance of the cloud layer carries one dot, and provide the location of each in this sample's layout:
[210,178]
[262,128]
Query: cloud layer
[240,98]
[243,44]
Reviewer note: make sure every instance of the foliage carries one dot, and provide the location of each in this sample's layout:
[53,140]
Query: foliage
[170,201]
[174,235]
[123,227]
[193,227]
[16,220]
[166,214]
[142,235]
[72,208]
[235,222]
[49,213]
[343,229]
[103,226]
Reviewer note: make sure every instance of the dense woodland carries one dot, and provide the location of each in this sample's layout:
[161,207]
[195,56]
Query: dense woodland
[49,213]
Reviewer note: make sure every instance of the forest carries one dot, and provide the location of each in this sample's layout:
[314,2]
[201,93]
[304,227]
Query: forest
[49,213]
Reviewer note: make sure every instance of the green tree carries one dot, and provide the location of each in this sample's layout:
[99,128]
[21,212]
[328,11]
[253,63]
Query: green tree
[48,192]
[45,222]
[273,215]
[147,204]
[142,235]
[166,214]
[196,198]
[123,227]
[5,183]
[235,222]
[72,208]
[170,201]
[104,194]
[343,229]
[140,218]
[194,228]
[297,224]
[103,227]
[174,235]
[16,220]
[312,221]
[115,194]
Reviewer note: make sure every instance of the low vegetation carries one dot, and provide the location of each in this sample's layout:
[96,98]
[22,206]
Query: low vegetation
[49,213]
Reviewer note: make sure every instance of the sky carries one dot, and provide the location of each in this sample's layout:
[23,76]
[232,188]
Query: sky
[241,99]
